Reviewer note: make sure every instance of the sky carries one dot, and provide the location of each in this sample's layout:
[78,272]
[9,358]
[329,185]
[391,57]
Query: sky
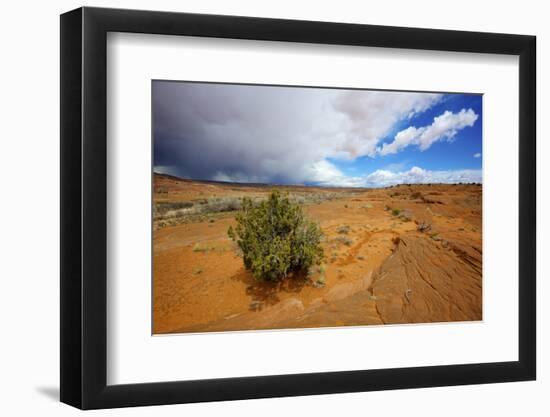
[315,136]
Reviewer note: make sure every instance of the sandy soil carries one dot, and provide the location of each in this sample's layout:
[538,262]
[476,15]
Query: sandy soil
[421,265]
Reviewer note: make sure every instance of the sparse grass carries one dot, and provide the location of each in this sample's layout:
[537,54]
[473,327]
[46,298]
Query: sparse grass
[343,240]
[163,208]
[343,230]
[405,216]
[200,248]
[205,248]
[321,281]
[208,209]
[318,197]
[428,200]
[424,227]
[170,214]
[197,271]
[217,205]
[396,212]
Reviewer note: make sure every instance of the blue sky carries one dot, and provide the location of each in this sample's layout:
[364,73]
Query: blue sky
[457,154]
[330,137]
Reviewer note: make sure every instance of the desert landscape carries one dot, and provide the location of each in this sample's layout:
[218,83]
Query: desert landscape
[409,253]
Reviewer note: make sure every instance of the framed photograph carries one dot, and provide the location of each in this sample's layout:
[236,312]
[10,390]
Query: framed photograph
[257,208]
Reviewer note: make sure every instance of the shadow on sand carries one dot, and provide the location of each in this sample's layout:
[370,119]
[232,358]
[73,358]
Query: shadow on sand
[263,294]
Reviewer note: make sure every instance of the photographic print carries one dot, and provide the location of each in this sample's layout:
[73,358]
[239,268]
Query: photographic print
[289,207]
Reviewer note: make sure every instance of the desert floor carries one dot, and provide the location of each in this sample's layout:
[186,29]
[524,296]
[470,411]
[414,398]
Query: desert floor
[406,254]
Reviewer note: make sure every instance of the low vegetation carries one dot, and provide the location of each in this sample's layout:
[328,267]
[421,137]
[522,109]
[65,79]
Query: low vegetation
[343,240]
[343,230]
[208,247]
[275,238]
[209,209]
[423,227]
[189,208]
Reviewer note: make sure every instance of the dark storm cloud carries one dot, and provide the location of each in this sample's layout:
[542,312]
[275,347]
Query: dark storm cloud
[270,134]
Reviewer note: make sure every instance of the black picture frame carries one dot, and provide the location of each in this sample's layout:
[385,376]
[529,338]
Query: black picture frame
[84,207]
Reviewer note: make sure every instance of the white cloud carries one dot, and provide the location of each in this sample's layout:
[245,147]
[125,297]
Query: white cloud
[326,173]
[415,175]
[371,115]
[418,175]
[477,155]
[444,127]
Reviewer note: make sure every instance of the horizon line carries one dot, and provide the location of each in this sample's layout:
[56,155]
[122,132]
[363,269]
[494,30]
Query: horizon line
[309,185]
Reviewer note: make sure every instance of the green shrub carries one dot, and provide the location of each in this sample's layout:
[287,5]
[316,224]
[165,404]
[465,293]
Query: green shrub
[275,238]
